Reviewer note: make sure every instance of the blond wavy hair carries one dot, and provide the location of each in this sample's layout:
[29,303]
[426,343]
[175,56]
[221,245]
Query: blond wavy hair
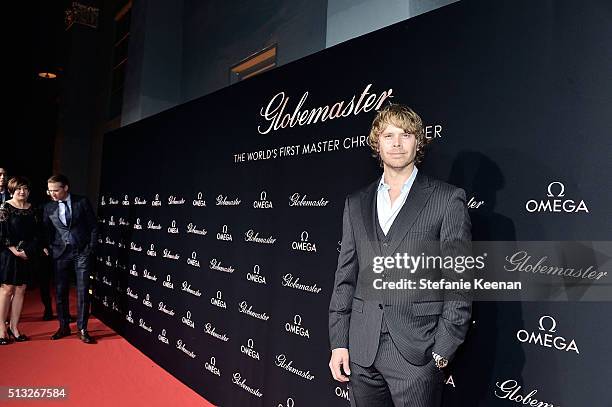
[406,119]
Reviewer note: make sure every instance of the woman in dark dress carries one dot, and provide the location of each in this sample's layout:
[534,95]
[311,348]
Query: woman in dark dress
[19,248]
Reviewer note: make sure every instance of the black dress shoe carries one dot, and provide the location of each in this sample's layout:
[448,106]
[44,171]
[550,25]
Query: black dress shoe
[61,333]
[84,335]
[5,341]
[20,338]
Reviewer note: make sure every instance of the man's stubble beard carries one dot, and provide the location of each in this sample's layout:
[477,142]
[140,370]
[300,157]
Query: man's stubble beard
[399,167]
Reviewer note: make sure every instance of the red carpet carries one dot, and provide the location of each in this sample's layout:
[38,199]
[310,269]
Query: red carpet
[109,373]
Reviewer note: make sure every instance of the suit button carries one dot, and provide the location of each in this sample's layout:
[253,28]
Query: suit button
[380,306]
[385,244]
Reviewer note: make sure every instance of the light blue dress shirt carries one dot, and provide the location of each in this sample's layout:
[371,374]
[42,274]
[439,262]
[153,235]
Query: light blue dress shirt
[387,212]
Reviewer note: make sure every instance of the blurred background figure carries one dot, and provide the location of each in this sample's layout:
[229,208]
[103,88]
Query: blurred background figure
[4,194]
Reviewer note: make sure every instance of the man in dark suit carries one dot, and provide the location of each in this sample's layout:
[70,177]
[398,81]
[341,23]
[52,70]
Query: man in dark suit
[398,339]
[4,193]
[72,234]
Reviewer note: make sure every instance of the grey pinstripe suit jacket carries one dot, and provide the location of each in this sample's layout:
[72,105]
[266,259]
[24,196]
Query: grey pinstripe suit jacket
[434,220]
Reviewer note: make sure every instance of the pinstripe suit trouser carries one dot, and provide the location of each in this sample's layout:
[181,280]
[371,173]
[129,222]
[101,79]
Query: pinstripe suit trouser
[393,381]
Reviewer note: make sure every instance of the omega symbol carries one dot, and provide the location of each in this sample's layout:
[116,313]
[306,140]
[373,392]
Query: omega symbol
[250,343]
[552,327]
[262,196]
[256,269]
[163,332]
[213,361]
[224,229]
[193,255]
[188,314]
[218,295]
[199,196]
[561,192]
[304,236]
[297,320]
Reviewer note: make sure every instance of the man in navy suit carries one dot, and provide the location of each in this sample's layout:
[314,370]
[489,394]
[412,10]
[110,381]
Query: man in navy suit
[72,235]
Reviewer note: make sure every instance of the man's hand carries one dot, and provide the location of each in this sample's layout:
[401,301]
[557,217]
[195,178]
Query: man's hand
[46,251]
[340,358]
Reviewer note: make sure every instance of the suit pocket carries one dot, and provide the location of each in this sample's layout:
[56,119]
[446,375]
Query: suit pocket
[357,305]
[421,309]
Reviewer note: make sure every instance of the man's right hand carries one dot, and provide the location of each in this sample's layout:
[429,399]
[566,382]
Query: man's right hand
[340,358]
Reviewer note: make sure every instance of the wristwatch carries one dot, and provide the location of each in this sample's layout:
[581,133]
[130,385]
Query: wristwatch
[441,362]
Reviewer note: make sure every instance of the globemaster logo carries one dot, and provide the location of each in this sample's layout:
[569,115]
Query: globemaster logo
[547,337]
[511,390]
[556,201]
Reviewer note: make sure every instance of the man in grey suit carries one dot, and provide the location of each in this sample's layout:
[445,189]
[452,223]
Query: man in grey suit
[391,343]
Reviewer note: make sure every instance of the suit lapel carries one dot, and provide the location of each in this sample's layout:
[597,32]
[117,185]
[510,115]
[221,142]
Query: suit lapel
[55,216]
[417,198]
[368,206]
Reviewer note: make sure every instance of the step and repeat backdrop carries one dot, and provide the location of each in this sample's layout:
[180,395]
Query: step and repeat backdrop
[220,220]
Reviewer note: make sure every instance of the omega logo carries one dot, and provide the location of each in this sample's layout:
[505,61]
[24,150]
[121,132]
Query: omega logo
[296,328]
[556,205]
[290,403]
[304,244]
[547,337]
